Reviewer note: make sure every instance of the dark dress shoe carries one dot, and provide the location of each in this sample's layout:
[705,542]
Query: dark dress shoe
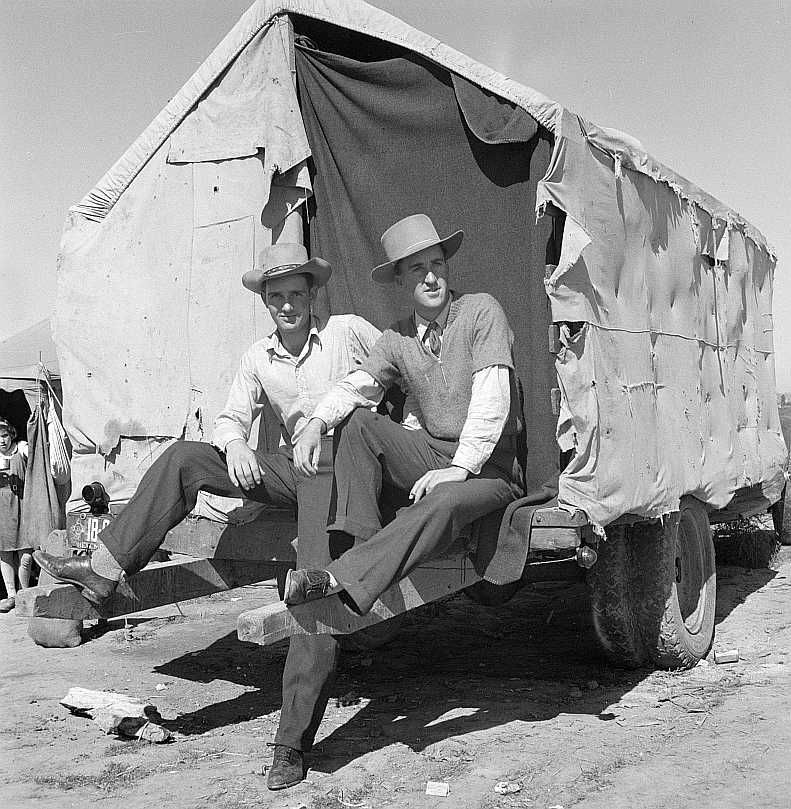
[287,768]
[77,570]
[305,585]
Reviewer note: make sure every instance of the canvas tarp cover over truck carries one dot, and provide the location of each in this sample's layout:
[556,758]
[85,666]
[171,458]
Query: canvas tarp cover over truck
[668,388]
[667,381]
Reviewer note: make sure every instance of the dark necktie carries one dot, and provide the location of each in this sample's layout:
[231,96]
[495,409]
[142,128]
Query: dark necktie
[431,338]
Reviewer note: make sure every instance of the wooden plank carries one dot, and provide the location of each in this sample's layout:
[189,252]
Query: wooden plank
[429,582]
[155,585]
[269,537]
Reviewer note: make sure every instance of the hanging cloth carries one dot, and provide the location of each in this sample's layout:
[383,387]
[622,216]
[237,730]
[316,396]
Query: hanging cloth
[41,509]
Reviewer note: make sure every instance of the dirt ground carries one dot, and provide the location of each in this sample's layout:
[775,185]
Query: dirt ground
[465,695]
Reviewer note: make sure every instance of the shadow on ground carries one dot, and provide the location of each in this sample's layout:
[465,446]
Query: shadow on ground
[456,667]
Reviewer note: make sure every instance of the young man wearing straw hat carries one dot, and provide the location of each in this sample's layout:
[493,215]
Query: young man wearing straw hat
[457,457]
[293,367]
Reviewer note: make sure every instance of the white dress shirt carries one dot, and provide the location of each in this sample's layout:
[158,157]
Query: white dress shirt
[293,385]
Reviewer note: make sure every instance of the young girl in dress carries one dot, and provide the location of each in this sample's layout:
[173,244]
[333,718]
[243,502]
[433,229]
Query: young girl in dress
[15,558]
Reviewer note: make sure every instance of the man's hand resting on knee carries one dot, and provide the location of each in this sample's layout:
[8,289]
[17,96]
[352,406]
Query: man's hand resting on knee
[307,448]
[428,482]
[243,467]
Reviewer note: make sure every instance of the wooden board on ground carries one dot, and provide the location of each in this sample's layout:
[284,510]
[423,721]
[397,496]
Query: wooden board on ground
[330,615]
[155,585]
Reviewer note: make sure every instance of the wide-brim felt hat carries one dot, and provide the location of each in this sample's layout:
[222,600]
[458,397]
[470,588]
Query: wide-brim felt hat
[408,236]
[282,260]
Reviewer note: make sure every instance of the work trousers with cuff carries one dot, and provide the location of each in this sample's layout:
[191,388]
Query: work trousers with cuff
[169,491]
[372,451]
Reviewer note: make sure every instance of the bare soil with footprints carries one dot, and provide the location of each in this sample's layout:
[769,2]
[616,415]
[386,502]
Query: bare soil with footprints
[466,695]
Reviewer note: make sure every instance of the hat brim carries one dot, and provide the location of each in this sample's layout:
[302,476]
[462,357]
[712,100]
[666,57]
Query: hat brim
[385,273]
[317,268]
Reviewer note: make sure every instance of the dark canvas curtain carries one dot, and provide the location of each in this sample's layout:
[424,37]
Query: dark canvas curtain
[389,139]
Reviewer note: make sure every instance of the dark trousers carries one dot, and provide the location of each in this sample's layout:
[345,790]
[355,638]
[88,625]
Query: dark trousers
[169,491]
[371,451]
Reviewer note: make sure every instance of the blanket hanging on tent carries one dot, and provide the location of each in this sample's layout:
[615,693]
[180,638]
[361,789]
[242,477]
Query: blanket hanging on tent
[401,136]
[398,137]
[41,510]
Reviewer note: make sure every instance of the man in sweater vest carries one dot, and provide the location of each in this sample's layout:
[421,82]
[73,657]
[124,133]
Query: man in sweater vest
[455,454]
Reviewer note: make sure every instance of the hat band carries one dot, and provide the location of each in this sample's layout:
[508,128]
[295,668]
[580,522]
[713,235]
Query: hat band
[416,248]
[282,268]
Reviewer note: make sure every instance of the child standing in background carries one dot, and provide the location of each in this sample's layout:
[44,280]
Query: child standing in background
[15,558]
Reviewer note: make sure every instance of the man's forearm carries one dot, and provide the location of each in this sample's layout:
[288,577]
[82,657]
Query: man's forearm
[226,431]
[486,417]
[358,389]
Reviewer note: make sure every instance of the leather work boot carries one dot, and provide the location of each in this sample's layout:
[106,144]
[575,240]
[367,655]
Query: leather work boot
[287,768]
[305,585]
[77,570]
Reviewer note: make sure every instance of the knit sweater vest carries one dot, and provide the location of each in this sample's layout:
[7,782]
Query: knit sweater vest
[476,336]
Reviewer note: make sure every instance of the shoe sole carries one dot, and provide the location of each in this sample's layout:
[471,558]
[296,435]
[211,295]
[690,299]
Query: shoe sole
[286,785]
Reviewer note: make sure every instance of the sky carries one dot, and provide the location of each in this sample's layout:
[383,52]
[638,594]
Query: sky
[706,87]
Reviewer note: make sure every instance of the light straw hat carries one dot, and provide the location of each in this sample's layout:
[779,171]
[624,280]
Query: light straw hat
[281,260]
[408,236]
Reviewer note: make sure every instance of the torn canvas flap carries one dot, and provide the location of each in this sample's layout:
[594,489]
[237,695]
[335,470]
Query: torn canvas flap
[288,191]
[252,106]
[490,117]
[575,240]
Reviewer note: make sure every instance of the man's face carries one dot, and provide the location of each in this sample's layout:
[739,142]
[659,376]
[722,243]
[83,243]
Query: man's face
[426,274]
[288,300]
[5,441]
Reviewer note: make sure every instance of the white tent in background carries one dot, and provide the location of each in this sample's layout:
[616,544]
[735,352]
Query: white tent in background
[28,368]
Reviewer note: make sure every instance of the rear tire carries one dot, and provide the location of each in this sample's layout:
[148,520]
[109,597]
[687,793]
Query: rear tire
[611,582]
[678,629]
[653,590]
[781,518]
